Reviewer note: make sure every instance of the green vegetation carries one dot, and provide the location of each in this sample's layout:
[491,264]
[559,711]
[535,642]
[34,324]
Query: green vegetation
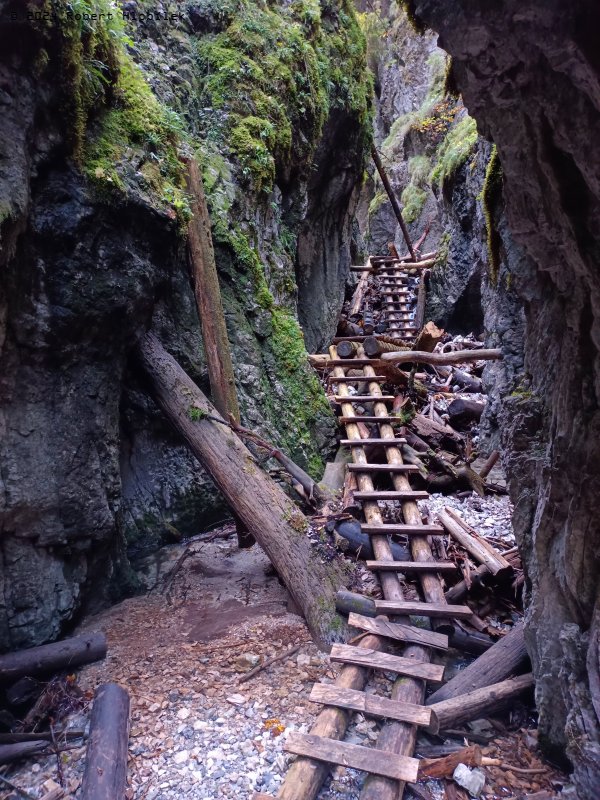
[490,196]
[442,251]
[301,402]
[196,414]
[414,195]
[274,73]
[137,121]
[455,149]
[105,91]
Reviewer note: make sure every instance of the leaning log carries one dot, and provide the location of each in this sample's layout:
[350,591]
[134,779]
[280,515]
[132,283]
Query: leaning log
[49,658]
[205,281]
[443,359]
[480,550]
[489,700]
[105,775]
[277,524]
[504,658]
[208,299]
[393,200]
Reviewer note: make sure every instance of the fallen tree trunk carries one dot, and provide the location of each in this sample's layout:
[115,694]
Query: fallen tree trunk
[14,752]
[105,775]
[480,550]
[462,412]
[456,357]
[278,526]
[49,658]
[504,658]
[490,699]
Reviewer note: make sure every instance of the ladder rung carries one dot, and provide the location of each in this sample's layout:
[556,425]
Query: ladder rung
[359,378]
[348,362]
[411,566]
[365,418]
[356,756]
[363,398]
[422,609]
[412,495]
[409,530]
[383,468]
[375,659]
[361,442]
[398,631]
[370,704]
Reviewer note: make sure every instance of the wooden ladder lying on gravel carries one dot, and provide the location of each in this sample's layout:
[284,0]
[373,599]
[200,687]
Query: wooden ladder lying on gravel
[389,764]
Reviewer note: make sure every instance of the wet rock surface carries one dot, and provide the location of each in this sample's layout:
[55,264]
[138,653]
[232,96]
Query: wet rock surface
[526,72]
[87,464]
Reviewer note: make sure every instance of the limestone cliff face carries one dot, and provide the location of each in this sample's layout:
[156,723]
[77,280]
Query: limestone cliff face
[529,74]
[94,119]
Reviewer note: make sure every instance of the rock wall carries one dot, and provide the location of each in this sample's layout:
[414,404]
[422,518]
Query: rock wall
[529,74]
[95,118]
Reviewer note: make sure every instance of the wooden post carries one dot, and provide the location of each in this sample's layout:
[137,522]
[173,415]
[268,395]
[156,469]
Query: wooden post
[207,291]
[105,775]
[395,205]
[421,299]
[277,524]
[208,299]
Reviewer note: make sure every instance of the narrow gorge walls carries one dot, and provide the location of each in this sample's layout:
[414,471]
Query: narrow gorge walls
[529,73]
[94,118]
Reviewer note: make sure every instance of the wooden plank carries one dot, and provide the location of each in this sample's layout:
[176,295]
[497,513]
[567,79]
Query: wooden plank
[367,759]
[363,398]
[422,609]
[367,418]
[383,468]
[361,442]
[370,704]
[348,362]
[399,632]
[406,495]
[375,659]
[357,379]
[408,530]
[411,566]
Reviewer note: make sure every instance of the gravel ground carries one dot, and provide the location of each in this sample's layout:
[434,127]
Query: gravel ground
[197,731]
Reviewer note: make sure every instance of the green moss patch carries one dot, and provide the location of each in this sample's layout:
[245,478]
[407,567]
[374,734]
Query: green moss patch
[490,196]
[456,147]
[274,74]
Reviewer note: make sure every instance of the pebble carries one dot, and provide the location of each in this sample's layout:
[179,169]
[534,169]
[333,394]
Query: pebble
[236,699]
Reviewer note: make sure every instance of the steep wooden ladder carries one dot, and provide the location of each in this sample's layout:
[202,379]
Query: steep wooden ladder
[389,764]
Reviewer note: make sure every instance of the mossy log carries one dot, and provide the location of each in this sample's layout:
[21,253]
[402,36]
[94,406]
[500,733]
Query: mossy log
[268,513]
